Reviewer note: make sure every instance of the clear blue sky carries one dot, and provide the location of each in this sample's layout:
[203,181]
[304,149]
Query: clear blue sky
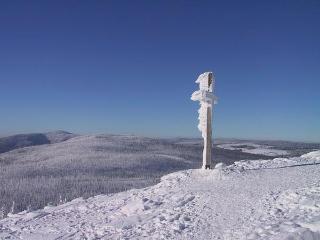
[130,67]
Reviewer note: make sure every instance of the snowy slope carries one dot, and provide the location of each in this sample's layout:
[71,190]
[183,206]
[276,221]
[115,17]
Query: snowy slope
[59,136]
[272,201]
[253,148]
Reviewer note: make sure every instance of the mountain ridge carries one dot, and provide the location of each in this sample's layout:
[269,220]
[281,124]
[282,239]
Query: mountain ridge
[33,139]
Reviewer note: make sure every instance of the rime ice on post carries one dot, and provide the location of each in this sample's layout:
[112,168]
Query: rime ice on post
[206,98]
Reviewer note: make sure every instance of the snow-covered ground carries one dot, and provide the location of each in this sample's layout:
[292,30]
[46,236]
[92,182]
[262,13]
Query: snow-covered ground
[305,159]
[253,148]
[89,165]
[277,199]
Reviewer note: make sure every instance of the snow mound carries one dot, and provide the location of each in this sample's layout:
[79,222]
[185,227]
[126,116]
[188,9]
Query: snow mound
[294,214]
[281,202]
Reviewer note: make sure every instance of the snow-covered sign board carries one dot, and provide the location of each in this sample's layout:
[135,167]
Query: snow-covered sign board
[206,98]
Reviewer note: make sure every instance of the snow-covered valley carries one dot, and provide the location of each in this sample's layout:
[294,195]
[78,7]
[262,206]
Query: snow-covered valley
[275,199]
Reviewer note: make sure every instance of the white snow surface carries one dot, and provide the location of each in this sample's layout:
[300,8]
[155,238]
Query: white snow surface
[274,199]
[253,148]
[306,159]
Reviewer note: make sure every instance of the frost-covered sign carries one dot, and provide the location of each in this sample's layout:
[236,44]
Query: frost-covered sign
[206,98]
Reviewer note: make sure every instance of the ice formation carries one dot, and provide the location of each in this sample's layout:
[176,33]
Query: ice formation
[206,98]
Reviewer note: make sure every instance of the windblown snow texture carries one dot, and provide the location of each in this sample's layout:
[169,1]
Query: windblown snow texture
[268,201]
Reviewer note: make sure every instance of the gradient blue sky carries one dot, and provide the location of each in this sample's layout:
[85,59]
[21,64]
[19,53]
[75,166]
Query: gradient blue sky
[130,67]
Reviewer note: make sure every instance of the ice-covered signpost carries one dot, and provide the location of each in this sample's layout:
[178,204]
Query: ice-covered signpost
[206,98]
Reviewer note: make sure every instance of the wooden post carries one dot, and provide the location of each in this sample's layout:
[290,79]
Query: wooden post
[207,161]
[206,98]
